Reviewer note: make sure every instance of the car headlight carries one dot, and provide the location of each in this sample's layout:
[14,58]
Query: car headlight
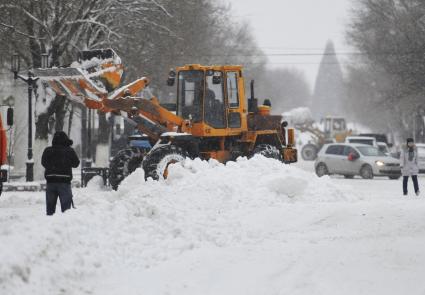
[380,163]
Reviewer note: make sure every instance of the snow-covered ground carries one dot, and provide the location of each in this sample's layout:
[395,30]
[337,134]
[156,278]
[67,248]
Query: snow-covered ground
[251,227]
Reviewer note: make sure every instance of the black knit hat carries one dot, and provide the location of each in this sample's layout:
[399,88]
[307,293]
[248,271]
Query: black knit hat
[410,140]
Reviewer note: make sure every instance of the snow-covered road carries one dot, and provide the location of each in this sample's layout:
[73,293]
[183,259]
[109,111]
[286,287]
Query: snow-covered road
[251,227]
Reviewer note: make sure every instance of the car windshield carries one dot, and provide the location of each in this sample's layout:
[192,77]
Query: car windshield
[383,148]
[370,151]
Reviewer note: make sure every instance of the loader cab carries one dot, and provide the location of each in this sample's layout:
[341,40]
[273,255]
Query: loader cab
[334,125]
[335,129]
[210,97]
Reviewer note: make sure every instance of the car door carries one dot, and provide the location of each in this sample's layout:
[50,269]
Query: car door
[332,157]
[339,159]
[350,167]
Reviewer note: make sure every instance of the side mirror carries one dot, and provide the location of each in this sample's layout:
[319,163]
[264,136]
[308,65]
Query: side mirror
[171,81]
[171,78]
[216,80]
[10,116]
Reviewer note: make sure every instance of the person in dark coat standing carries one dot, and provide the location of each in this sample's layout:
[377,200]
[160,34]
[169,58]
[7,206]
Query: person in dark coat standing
[409,165]
[58,160]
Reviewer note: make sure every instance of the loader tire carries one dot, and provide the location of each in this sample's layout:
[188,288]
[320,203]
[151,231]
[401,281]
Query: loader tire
[157,161]
[268,151]
[124,163]
[309,152]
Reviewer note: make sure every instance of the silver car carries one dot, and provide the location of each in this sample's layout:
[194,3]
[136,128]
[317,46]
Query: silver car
[355,159]
[421,157]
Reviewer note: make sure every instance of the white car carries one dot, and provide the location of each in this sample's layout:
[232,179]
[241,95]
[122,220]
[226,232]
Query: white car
[362,140]
[350,160]
[383,147]
[421,157]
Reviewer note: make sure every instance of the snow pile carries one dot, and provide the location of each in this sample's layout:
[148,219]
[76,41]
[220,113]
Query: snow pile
[300,116]
[202,205]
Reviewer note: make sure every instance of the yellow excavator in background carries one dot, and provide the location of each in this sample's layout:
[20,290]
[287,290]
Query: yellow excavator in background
[212,118]
[335,130]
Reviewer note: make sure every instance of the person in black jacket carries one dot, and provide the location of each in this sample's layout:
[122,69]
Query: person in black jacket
[58,160]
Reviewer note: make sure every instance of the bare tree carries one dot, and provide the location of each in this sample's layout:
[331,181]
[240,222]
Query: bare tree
[391,36]
[63,28]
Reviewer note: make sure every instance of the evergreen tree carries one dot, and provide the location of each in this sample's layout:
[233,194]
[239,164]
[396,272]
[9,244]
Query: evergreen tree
[329,91]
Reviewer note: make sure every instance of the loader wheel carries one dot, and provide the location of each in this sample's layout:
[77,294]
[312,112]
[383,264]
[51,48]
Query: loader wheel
[157,161]
[124,163]
[268,151]
[309,152]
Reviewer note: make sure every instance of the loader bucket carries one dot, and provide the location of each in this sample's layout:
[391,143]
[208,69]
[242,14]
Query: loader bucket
[105,61]
[96,73]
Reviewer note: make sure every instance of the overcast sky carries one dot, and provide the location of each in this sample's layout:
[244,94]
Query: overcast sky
[296,26]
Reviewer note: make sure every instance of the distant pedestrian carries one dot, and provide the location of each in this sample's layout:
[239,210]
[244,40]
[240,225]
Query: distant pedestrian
[58,160]
[409,165]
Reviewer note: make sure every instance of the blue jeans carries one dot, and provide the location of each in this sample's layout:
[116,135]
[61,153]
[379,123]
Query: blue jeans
[55,190]
[415,183]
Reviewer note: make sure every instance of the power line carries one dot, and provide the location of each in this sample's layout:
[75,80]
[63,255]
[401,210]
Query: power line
[305,54]
[309,63]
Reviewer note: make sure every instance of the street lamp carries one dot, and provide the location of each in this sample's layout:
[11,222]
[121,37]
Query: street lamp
[16,65]
[30,80]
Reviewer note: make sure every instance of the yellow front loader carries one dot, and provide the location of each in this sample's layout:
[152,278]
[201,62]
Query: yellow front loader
[211,119]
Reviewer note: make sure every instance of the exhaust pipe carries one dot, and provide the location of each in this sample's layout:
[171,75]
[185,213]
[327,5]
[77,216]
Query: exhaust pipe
[291,137]
[252,102]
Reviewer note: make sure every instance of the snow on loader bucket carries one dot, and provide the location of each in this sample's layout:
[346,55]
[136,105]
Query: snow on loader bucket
[207,123]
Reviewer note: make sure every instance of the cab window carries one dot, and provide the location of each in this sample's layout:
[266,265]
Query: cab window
[339,125]
[214,100]
[232,89]
[190,94]
[327,126]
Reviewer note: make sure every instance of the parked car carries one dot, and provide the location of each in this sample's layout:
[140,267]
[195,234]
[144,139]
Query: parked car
[421,157]
[383,147]
[350,160]
[362,140]
[380,137]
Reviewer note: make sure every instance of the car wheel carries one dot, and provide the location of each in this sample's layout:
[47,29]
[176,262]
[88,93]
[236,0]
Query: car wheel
[349,176]
[322,170]
[394,177]
[366,172]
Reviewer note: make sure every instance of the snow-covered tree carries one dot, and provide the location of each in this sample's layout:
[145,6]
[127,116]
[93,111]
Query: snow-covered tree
[390,34]
[64,28]
[151,36]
